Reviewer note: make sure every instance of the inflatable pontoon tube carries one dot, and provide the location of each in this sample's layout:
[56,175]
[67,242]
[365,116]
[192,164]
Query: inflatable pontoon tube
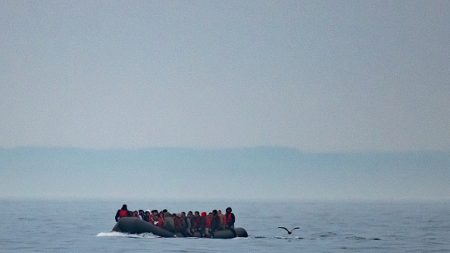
[134,225]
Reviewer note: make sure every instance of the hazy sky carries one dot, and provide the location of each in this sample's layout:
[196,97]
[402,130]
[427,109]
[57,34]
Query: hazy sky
[314,75]
[352,77]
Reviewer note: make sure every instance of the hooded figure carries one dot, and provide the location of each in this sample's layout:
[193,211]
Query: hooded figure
[229,218]
[122,212]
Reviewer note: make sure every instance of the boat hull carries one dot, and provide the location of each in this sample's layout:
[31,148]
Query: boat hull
[134,225]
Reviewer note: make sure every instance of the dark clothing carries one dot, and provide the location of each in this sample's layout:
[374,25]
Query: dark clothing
[185,226]
[215,223]
[202,225]
[195,223]
[177,224]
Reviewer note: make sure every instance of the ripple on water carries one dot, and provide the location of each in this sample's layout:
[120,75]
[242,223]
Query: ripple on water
[119,234]
[325,235]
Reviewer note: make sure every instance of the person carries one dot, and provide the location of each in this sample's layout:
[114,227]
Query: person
[202,224]
[147,216]
[141,214]
[189,222]
[169,222]
[215,222]
[195,222]
[154,217]
[122,212]
[222,219]
[229,218]
[208,224]
[176,223]
[185,226]
[160,222]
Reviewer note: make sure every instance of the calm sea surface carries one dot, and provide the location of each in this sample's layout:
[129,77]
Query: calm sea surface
[85,226]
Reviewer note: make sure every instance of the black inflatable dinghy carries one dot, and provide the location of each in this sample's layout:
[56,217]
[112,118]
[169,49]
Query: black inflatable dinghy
[135,225]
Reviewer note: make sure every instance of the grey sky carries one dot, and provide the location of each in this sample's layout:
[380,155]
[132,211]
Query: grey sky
[314,75]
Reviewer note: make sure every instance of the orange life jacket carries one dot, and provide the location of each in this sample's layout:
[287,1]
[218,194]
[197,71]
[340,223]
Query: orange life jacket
[223,219]
[229,218]
[161,222]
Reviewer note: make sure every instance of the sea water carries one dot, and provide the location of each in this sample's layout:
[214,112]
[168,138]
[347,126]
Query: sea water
[85,226]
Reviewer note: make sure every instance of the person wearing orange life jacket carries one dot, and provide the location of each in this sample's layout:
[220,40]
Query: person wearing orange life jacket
[177,223]
[122,212]
[229,218]
[160,222]
[154,217]
[223,221]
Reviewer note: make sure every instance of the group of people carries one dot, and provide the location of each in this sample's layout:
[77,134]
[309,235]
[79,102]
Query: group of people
[190,224]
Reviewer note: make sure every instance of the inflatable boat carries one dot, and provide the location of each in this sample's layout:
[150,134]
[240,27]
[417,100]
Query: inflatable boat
[135,225]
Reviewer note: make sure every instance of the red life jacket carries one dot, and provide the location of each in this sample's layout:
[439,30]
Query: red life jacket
[208,222]
[123,213]
[160,222]
[177,223]
[228,218]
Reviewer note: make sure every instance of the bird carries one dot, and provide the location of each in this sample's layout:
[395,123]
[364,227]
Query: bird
[289,231]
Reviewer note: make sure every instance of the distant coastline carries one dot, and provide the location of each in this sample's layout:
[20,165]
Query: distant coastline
[259,173]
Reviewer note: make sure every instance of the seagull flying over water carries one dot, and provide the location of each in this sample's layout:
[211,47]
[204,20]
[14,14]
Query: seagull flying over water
[289,231]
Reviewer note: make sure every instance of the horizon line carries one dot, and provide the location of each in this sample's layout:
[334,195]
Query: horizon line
[225,148]
[230,200]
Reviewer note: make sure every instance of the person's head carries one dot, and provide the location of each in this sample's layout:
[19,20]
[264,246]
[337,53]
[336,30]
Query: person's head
[229,210]
[141,212]
[214,212]
[124,207]
[164,211]
[220,211]
[155,212]
[190,213]
[197,213]
[183,214]
[203,214]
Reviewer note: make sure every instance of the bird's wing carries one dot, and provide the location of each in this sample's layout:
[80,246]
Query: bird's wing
[296,228]
[284,229]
